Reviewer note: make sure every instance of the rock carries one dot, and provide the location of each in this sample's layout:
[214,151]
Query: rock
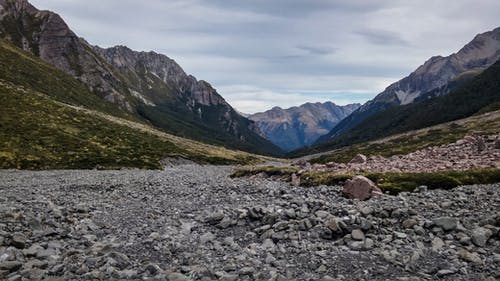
[400,235]
[470,257]
[480,236]
[497,144]
[207,237]
[437,244]
[357,234]
[215,217]
[360,188]
[444,272]
[10,266]
[358,159]
[247,271]
[18,240]
[481,145]
[421,189]
[174,276]
[295,180]
[152,269]
[446,223]
[409,223]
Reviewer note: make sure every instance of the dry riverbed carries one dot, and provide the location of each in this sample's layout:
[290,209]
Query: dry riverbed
[193,222]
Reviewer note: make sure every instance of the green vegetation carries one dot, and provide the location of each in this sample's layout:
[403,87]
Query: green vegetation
[480,95]
[392,183]
[267,170]
[38,133]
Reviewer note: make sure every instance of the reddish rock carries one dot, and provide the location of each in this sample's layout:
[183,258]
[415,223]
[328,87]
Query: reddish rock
[360,188]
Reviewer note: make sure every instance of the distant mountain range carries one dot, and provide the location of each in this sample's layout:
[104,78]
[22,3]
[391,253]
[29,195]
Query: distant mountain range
[434,75]
[300,126]
[145,85]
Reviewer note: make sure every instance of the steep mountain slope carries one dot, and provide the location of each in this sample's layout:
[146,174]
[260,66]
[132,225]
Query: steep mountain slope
[300,126]
[149,86]
[178,102]
[481,94]
[479,54]
[44,126]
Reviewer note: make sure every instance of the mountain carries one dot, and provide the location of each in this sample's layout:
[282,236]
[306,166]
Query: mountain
[479,95]
[437,72]
[300,126]
[148,86]
[49,120]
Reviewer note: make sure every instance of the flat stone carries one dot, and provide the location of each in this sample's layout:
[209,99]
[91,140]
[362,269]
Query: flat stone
[10,266]
[470,257]
[175,276]
[446,223]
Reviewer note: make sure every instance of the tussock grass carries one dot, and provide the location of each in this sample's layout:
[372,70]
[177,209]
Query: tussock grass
[392,183]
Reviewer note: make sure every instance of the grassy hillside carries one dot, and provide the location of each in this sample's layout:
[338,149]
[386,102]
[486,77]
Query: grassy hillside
[39,133]
[485,124]
[479,95]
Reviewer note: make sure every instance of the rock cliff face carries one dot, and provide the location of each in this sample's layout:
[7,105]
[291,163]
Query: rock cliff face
[148,85]
[437,72]
[296,127]
[45,34]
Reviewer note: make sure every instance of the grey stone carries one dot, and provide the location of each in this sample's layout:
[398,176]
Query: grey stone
[175,276]
[470,257]
[357,234]
[10,266]
[18,240]
[446,223]
[480,236]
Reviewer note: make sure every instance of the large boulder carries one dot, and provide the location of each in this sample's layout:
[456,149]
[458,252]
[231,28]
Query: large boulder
[360,188]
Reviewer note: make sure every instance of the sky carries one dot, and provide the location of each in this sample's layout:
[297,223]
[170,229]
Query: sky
[264,53]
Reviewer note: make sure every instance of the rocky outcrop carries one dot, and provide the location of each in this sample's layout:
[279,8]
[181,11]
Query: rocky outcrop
[482,52]
[300,126]
[45,34]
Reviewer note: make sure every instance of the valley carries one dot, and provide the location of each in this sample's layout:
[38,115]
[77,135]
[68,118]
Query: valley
[117,164]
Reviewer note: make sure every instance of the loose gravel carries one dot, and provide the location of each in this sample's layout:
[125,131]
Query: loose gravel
[193,222]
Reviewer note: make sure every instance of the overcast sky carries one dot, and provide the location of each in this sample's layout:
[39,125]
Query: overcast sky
[264,53]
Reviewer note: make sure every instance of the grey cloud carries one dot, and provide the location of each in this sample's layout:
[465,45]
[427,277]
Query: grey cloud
[285,46]
[382,37]
[316,50]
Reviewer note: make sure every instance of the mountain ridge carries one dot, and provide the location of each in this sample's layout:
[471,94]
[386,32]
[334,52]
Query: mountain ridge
[475,56]
[300,126]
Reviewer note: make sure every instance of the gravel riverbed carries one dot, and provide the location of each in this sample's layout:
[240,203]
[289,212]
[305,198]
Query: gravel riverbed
[193,222]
